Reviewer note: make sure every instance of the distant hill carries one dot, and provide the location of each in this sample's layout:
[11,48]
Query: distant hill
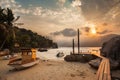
[25,38]
[107,37]
[99,42]
[91,42]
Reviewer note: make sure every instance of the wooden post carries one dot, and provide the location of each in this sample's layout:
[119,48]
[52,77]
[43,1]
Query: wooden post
[73,47]
[78,42]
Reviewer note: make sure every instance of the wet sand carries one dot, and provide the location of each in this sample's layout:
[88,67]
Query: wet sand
[49,70]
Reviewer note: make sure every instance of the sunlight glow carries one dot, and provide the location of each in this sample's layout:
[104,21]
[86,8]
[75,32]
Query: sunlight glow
[93,31]
[92,28]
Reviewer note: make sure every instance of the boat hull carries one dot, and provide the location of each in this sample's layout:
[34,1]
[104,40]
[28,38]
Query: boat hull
[20,66]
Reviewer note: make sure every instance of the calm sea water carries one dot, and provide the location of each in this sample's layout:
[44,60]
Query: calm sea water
[51,53]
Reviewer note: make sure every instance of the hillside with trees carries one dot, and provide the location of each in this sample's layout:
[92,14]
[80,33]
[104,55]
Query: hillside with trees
[11,36]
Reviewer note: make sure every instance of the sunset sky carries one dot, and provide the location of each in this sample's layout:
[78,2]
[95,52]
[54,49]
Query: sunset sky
[60,19]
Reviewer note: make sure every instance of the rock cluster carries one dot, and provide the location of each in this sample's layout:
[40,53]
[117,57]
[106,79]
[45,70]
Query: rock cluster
[111,50]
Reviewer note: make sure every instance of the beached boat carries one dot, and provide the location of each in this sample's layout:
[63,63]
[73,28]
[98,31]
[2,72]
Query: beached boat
[60,54]
[28,59]
[4,52]
[42,49]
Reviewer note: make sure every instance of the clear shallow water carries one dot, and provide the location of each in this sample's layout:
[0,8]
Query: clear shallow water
[51,53]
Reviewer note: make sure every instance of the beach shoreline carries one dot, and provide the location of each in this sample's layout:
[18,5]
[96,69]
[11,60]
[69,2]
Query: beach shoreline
[49,70]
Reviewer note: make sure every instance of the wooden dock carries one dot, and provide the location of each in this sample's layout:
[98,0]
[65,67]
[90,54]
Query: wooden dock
[103,72]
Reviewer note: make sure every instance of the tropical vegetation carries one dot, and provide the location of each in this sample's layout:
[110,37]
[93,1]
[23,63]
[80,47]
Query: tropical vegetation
[11,35]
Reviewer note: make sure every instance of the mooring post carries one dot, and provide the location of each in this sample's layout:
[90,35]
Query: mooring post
[73,47]
[78,42]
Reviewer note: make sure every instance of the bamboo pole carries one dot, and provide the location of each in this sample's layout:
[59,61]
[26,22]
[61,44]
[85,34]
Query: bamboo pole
[78,42]
[73,47]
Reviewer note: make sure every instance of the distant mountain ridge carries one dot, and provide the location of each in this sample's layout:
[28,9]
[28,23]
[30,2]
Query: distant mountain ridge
[98,43]
[95,42]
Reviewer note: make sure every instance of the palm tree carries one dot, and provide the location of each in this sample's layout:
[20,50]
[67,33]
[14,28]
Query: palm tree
[7,18]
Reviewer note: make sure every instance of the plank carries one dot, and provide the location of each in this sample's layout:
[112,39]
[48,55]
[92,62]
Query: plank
[103,72]
[109,76]
[100,70]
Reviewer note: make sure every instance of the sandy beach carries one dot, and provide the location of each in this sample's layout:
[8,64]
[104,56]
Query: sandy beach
[49,70]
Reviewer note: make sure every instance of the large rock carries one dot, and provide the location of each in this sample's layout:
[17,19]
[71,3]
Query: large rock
[111,50]
[95,63]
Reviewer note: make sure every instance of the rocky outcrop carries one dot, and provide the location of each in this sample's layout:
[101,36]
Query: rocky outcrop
[111,50]
[95,63]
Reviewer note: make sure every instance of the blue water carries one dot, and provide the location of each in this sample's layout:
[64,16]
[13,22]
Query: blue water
[51,53]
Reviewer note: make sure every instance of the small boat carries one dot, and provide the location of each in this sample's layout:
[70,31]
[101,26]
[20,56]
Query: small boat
[60,54]
[4,52]
[42,49]
[28,59]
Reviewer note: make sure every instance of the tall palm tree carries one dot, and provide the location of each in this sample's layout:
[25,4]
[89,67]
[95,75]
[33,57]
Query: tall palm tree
[7,18]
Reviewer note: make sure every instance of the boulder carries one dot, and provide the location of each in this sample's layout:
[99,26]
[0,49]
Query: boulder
[95,63]
[111,50]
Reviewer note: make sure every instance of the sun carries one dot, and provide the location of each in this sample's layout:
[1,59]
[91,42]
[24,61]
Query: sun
[92,28]
[93,31]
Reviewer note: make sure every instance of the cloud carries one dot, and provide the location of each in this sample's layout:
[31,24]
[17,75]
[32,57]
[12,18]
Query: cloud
[38,11]
[76,3]
[61,2]
[56,33]
[68,32]
[99,11]
[15,6]
[104,32]
[86,29]
[9,3]
[63,15]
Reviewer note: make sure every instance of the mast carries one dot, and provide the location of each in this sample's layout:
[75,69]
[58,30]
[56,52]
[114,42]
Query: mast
[73,47]
[78,42]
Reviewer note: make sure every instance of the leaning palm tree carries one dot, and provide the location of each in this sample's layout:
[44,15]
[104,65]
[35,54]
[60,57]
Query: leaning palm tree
[7,18]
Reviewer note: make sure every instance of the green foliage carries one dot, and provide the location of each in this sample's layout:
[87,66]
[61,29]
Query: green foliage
[10,35]
[6,16]
[26,38]
[6,20]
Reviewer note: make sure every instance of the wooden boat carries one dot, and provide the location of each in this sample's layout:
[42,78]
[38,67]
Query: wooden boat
[28,59]
[60,54]
[4,52]
[42,49]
